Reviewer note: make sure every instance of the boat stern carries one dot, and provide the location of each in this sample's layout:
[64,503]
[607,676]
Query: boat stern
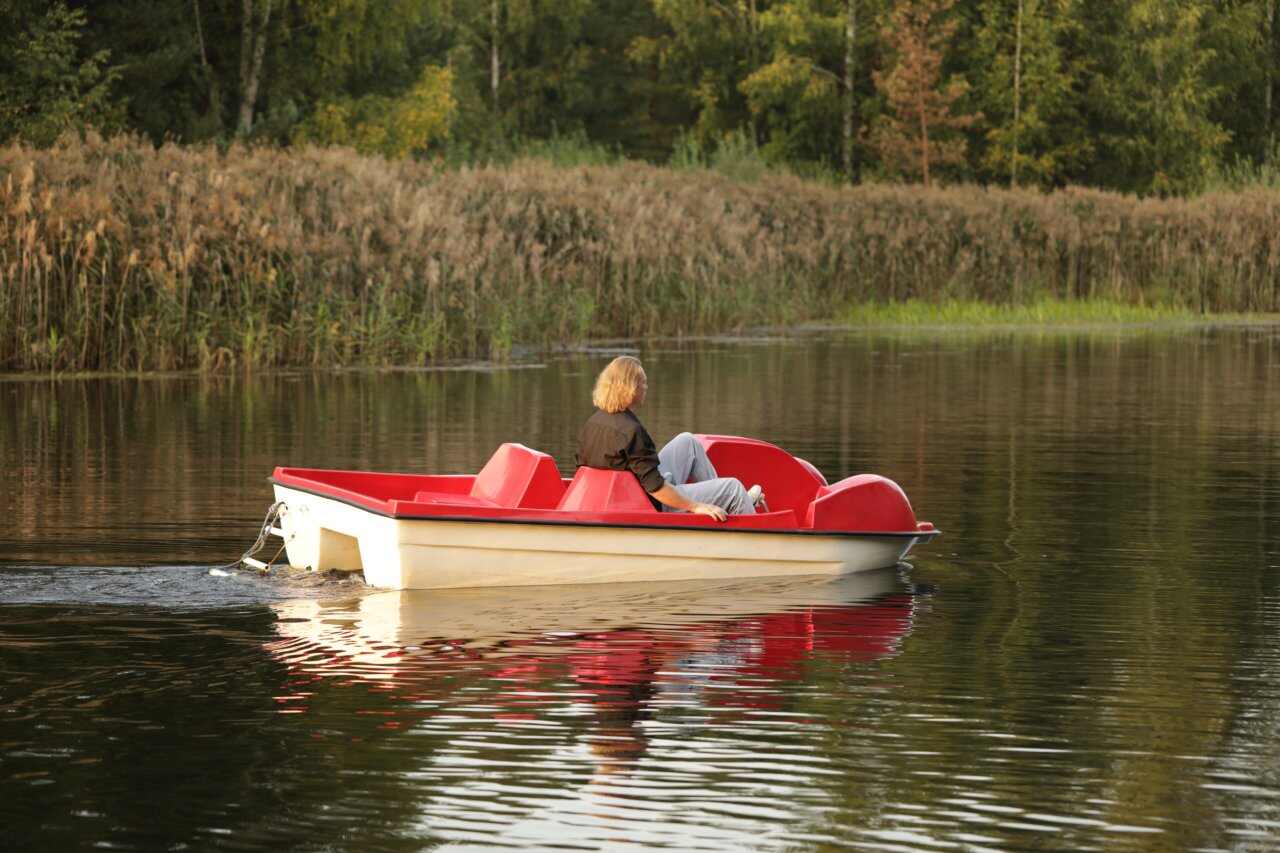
[323,534]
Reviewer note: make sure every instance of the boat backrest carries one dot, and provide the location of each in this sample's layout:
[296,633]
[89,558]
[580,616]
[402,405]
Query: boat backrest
[600,490]
[788,482]
[519,477]
[865,502]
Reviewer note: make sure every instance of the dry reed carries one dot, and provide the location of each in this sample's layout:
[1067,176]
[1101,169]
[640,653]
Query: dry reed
[118,256]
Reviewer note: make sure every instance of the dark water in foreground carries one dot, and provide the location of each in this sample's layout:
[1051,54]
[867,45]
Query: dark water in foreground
[1089,658]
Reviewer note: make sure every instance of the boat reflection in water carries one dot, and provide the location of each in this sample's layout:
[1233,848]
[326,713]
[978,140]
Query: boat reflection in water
[583,683]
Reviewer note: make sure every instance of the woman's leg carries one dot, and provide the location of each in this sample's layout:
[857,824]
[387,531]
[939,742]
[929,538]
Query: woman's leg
[727,493]
[684,460]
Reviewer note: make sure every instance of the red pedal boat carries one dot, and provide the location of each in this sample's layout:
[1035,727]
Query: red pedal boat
[519,523]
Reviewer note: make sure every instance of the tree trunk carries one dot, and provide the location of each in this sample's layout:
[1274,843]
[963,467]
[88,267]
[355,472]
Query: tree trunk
[850,34]
[1268,64]
[495,64]
[753,62]
[1017,91]
[211,79]
[924,139]
[246,56]
[204,57]
[253,50]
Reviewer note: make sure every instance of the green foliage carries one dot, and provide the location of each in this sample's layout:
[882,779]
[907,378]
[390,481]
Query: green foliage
[1041,312]
[564,151]
[1243,173]
[412,123]
[47,87]
[1177,132]
[561,150]
[1149,96]
[707,50]
[688,153]
[796,93]
[1025,79]
[737,156]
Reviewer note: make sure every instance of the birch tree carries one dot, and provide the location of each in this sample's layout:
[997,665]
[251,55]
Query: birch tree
[254,24]
[805,93]
[1024,84]
[850,74]
[1269,70]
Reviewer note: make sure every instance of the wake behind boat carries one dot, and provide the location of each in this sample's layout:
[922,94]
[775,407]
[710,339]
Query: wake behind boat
[519,523]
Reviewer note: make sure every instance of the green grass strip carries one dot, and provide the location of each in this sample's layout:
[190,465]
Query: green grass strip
[1043,312]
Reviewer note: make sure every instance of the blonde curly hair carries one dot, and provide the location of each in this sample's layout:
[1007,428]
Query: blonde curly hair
[618,384]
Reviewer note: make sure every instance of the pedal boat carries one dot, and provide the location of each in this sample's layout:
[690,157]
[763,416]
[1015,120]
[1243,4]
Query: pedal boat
[519,523]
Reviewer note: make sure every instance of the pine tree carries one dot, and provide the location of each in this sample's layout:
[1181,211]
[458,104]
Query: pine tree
[919,133]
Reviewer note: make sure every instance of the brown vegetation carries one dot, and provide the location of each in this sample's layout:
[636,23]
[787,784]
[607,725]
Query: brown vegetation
[920,126]
[114,255]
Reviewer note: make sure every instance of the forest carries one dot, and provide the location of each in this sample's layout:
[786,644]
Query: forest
[1153,97]
[202,184]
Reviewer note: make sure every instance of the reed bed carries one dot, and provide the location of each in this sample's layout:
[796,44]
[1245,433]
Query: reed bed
[115,255]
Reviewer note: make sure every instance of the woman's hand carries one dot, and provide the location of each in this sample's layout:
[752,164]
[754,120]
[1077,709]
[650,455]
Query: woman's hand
[710,509]
[670,496]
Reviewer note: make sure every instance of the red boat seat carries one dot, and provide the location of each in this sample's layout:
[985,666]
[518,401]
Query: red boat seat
[788,482]
[601,490]
[519,477]
[865,502]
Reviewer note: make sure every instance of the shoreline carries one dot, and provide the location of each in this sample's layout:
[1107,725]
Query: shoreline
[136,259]
[536,358]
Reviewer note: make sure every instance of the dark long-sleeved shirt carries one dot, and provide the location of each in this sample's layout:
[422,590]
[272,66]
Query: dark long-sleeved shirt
[619,442]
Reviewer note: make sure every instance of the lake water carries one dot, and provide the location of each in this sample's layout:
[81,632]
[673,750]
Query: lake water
[1087,658]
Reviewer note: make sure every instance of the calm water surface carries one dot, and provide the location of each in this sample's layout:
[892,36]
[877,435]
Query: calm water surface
[1088,658]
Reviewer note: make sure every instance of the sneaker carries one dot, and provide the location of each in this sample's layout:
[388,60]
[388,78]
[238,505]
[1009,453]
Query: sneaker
[756,494]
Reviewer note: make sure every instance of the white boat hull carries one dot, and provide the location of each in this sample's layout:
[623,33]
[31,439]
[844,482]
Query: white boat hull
[322,533]
[370,633]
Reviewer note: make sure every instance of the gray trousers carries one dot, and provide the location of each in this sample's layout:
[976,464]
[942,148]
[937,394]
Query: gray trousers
[684,464]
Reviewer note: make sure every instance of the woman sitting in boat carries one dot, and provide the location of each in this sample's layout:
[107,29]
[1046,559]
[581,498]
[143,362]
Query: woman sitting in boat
[678,478]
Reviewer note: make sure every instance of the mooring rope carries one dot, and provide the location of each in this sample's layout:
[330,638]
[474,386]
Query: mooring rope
[272,516]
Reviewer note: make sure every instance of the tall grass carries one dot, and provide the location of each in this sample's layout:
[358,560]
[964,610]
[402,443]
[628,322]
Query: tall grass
[118,256]
[1244,174]
[560,149]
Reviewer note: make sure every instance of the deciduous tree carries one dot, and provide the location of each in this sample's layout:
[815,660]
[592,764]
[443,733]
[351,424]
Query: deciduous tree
[807,94]
[1152,97]
[1025,88]
[920,131]
[46,86]
[709,48]
[254,24]
[409,124]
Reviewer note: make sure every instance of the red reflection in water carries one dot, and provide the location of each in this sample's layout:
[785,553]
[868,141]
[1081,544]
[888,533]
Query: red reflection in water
[740,665]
